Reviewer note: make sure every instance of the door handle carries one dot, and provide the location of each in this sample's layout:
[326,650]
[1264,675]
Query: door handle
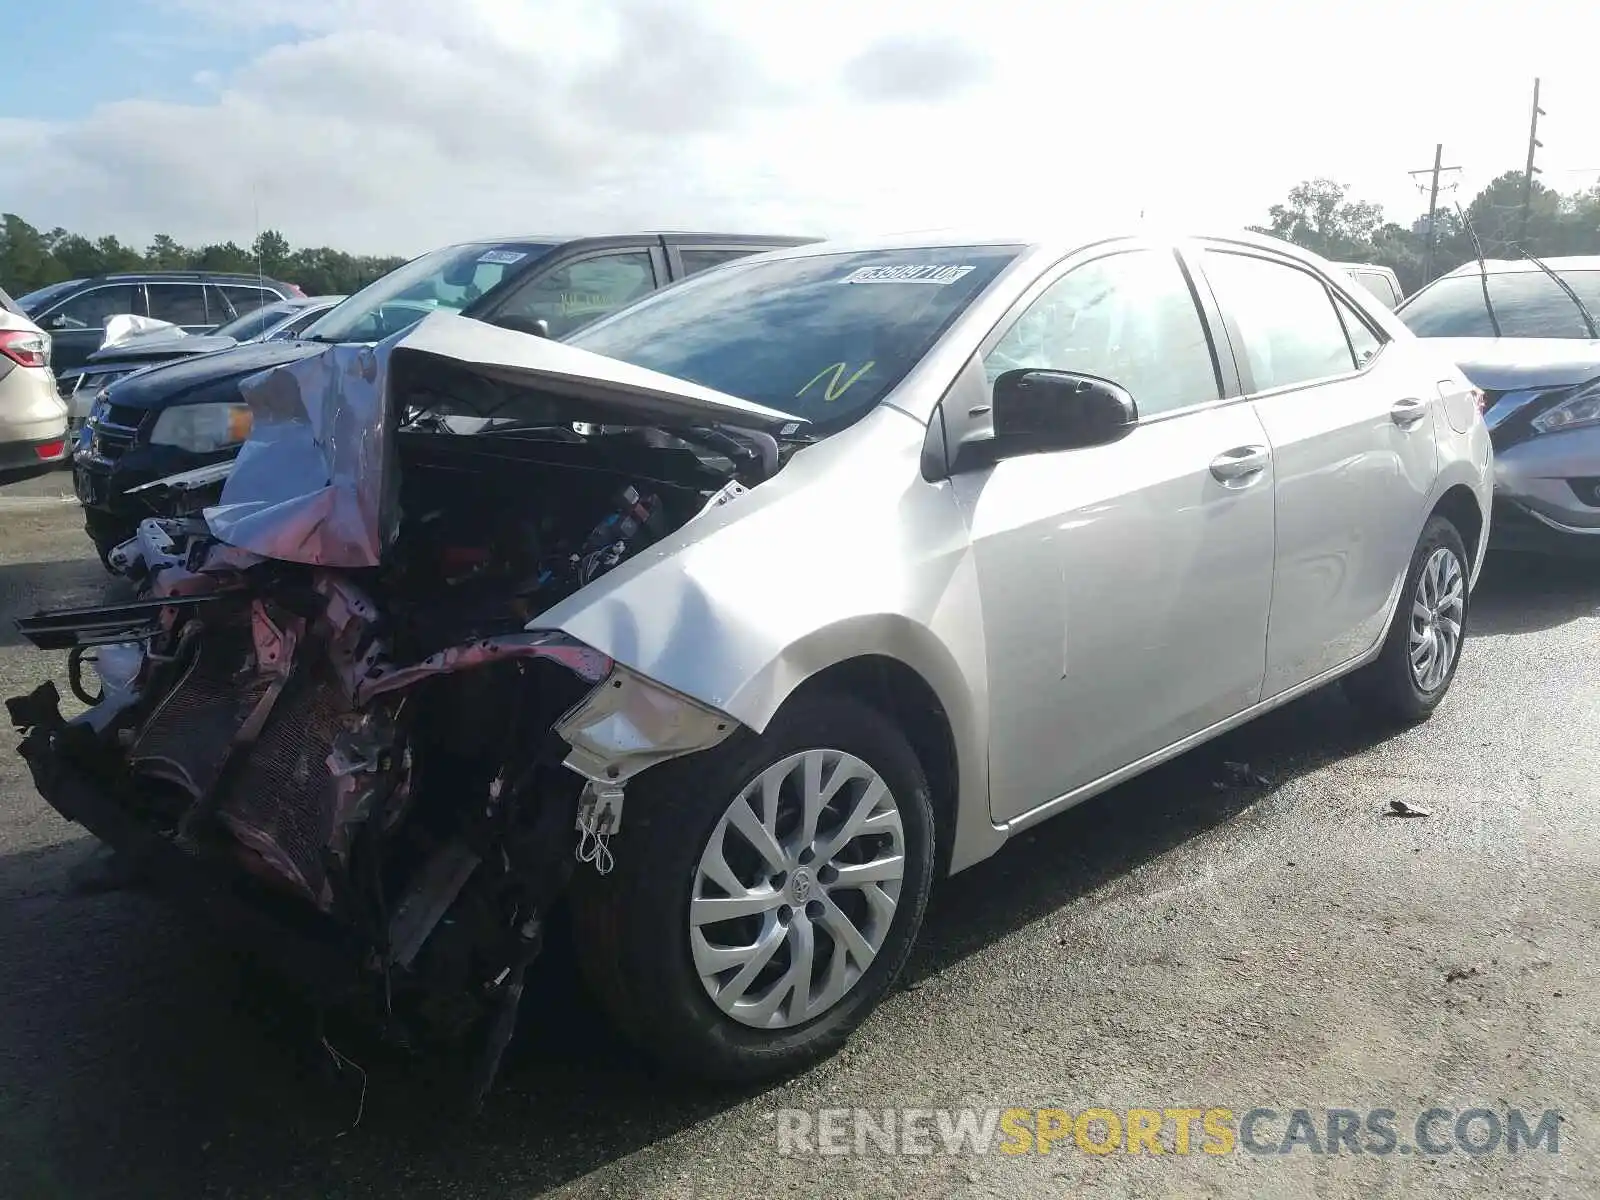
[1240,463]
[1408,412]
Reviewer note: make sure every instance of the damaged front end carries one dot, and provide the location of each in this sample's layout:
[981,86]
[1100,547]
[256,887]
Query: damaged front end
[391,833]
[378,777]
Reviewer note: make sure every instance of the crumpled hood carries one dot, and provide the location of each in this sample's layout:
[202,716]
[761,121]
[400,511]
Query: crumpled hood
[317,482]
[163,347]
[1509,364]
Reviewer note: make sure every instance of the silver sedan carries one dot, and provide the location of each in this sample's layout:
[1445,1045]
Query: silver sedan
[932,539]
[1071,509]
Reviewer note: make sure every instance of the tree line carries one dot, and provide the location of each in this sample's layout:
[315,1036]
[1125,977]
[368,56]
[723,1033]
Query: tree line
[1319,215]
[31,258]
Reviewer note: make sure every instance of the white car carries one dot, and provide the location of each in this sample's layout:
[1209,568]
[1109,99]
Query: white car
[33,418]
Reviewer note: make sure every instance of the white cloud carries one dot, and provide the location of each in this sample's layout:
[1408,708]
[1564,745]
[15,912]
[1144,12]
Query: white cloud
[394,125]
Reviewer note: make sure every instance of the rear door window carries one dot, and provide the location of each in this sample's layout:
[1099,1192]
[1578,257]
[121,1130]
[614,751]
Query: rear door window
[218,307]
[179,303]
[1285,316]
[247,299]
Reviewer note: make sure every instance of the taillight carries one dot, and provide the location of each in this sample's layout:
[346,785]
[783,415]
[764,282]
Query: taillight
[25,348]
[50,449]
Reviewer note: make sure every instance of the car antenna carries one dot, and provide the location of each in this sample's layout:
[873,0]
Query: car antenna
[1483,269]
[255,200]
[1561,283]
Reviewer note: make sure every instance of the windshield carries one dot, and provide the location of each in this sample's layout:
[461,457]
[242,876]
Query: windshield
[822,336]
[450,279]
[262,319]
[35,301]
[10,305]
[1527,303]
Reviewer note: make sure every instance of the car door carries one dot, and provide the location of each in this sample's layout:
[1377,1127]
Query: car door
[77,325]
[1124,587]
[1351,429]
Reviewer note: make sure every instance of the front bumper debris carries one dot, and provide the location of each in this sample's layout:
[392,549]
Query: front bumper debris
[310,950]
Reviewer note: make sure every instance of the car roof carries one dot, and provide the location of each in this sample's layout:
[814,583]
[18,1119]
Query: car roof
[1039,243]
[179,276]
[558,240]
[1508,266]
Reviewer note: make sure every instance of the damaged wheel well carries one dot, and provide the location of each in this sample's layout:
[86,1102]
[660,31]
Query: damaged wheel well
[900,693]
[1460,507]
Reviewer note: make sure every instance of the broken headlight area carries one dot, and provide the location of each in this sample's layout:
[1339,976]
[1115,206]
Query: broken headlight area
[320,755]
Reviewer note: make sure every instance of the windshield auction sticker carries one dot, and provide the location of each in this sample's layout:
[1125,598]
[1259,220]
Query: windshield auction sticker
[943,274]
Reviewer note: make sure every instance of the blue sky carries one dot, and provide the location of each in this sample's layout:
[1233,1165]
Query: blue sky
[75,54]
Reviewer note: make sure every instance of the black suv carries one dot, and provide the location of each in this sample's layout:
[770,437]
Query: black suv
[75,313]
[186,414]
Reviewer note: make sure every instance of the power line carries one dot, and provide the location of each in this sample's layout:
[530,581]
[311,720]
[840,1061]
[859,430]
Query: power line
[1433,200]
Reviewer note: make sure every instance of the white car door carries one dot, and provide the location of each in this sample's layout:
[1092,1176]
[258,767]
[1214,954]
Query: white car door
[1351,425]
[1124,587]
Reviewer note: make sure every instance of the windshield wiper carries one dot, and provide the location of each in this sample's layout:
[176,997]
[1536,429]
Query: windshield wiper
[1483,270]
[1588,321]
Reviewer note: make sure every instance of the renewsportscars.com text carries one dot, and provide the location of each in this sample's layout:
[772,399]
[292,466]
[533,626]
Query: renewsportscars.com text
[1178,1131]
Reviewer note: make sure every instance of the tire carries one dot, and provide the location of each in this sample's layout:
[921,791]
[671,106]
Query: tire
[632,926]
[1388,689]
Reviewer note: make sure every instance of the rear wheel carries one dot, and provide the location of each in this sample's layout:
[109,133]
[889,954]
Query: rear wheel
[765,894]
[1422,649]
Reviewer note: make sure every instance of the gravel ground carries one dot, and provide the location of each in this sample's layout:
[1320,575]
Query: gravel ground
[1189,940]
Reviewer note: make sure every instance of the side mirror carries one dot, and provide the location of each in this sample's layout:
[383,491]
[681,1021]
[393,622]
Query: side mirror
[1036,410]
[537,326]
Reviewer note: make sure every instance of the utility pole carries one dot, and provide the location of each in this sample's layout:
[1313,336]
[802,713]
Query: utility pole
[1433,201]
[1527,178]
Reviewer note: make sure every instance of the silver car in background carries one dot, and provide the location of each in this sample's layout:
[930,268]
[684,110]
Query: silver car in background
[1527,332]
[33,419]
[915,543]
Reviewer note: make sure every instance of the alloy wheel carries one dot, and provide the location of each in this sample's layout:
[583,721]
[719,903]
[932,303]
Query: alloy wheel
[796,889]
[1438,609]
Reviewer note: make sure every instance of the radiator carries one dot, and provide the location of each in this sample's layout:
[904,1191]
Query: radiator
[279,801]
[278,797]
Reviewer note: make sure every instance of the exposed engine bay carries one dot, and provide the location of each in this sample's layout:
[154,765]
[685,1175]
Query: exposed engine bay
[388,759]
